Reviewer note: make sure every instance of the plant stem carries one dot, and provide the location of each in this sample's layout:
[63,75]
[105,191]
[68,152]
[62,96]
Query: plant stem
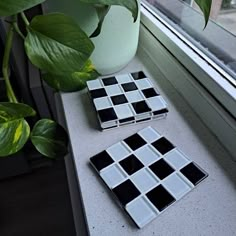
[24,18]
[5,65]
[16,27]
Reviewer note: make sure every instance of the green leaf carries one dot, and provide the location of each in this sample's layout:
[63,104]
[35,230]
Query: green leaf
[12,111]
[101,12]
[71,81]
[205,6]
[131,5]
[11,7]
[56,44]
[49,138]
[14,129]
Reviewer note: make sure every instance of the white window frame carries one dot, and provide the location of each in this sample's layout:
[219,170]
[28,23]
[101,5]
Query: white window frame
[210,85]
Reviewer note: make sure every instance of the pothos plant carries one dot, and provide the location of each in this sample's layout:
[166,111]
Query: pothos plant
[56,45]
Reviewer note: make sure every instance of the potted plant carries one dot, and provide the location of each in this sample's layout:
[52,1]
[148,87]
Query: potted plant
[116,43]
[113,29]
[58,46]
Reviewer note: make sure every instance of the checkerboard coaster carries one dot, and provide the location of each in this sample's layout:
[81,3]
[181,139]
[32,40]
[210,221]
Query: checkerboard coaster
[126,99]
[147,174]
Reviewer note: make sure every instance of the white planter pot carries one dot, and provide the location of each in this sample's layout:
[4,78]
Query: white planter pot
[117,43]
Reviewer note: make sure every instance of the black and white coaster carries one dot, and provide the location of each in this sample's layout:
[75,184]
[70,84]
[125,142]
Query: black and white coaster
[125,99]
[147,174]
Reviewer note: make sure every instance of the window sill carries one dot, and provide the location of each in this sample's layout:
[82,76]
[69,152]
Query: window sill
[184,126]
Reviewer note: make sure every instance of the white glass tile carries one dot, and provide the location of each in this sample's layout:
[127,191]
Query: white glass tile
[123,111]
[118,151]
[113,175]
[141,211]
[94,84]
[102,103]
[149,134]
[176,186]
[134,96]
[163,100]
[176,159]
[113,90]
[109,124]
[144,180]
[147,155]
[123,78]
[143,116]
[143,83]
[156,103]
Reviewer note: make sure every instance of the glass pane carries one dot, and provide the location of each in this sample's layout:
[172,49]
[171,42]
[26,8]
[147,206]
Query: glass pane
[217,40]
[226,16]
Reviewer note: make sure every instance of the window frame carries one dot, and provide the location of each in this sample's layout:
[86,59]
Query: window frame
[218,82]
[208,83]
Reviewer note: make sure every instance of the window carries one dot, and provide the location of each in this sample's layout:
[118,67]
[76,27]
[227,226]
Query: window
[217,41]
[172,39]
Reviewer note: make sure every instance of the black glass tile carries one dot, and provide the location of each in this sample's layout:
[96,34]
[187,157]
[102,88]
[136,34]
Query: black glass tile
[107,114]
[101,160]
[161,169]
[126,120]
[162,111]
[129,86]
[141,107]
[138,75]
[110,127]
[150,92]
[146,119]
[193,173]
[131,164]
[97,93]
[126,192]
[135,141]
[119,99]
[160,197]
[163,145]
[109,81]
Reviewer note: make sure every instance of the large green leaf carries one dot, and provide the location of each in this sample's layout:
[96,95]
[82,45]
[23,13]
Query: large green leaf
[71,81]
[14,129]
[56,44]
[101,12]
[49,138]
[131,5]
[11,7]
[205,6]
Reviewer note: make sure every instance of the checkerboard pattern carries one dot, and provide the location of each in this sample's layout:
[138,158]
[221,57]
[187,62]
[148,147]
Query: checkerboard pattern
[147,174]
[126,99]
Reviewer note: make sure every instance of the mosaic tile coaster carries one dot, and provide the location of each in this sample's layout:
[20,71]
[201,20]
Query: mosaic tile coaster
[147,174]
[126,99]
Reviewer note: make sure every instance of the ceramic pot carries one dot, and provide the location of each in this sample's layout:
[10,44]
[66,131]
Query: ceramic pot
[117,43]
